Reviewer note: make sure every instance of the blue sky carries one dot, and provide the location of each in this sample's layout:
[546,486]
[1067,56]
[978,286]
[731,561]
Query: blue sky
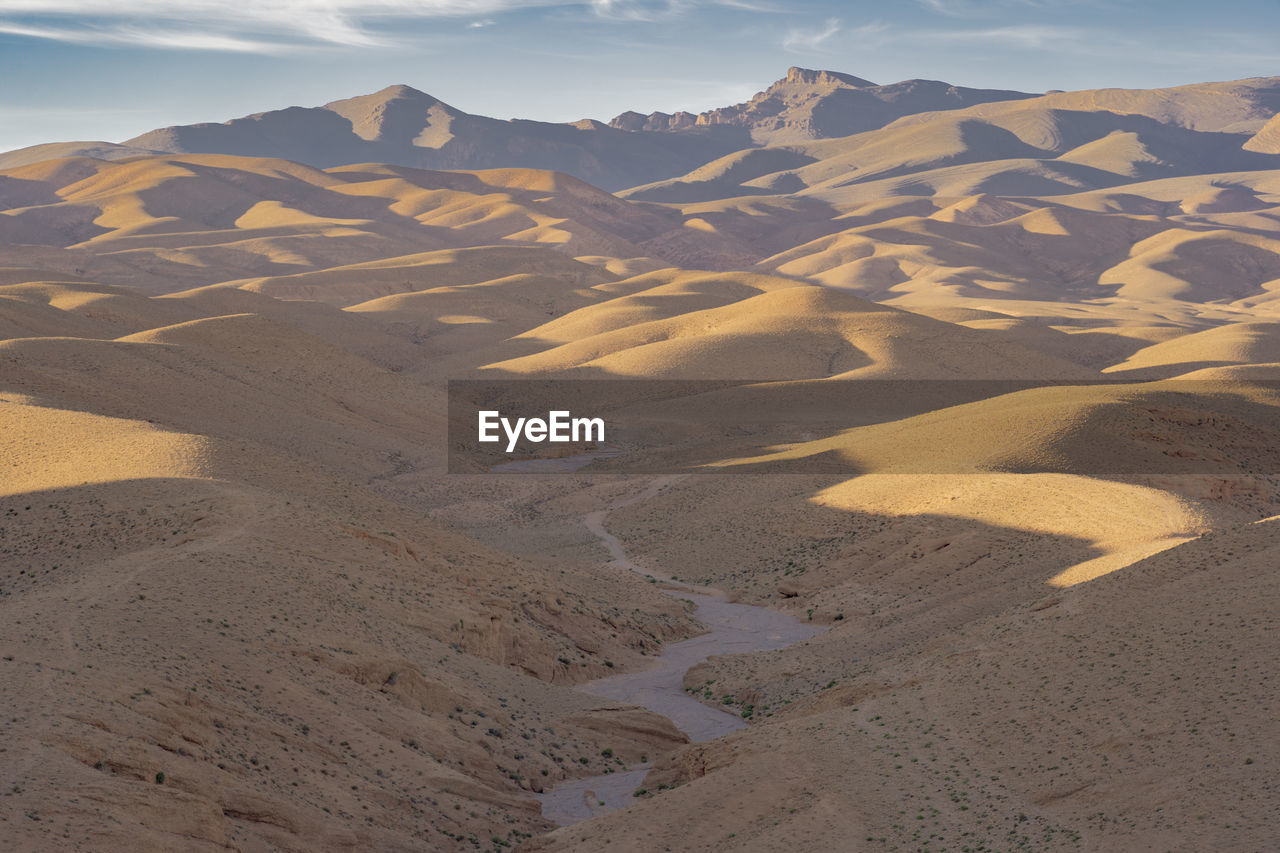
[110,69]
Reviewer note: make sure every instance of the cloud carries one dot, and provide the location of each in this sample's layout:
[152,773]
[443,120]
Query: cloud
[972,8]
[487,22]
[142,37]
[273,26]
[261,26]
[637,10]
[953,8]
[659,10]
[808,41]
[1021,36]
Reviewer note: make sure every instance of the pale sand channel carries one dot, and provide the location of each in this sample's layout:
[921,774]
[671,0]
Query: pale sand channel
[732,629]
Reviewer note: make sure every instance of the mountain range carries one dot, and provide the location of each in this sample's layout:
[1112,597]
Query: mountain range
[762,145]
[403,126]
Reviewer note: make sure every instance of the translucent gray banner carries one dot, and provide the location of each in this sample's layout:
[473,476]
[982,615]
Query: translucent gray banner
[1101,428]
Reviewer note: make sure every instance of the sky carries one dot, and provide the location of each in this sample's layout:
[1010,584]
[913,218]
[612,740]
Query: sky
[112,69]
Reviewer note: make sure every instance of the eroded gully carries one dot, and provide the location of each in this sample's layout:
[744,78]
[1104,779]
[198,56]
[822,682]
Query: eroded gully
[731,629]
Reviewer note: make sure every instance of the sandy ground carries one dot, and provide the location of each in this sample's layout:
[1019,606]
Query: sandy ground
[243,605]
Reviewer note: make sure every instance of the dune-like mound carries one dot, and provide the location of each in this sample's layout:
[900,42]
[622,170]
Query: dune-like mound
[172,222]
[1208,107]
[1235,344]
[1266,140]
[47,448]
[350,285]
[786,332]
[89,310]
[1198,265]
[98,150]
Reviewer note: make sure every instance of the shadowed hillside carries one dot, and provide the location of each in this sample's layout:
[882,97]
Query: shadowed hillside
[245,605]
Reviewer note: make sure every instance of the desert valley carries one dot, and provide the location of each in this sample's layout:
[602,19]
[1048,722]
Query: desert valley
[247,602]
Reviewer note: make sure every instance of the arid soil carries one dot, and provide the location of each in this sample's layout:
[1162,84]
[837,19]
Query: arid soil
[245,606]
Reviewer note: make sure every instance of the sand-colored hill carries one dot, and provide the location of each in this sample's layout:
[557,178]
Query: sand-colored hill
[85,310]
[295,673]
[51,449]
[1038,146]
[1033,727]
[350,285]
[1267,139]
[1198,265]
[202,219]
[1210,107]
[1096,348]
[1121,523]
[1210,429]
[727,177]
[22,316]
[1177,207]
[1235,345]
[788,331]
[57,150]
[230,552]
[186,494]
[968,258]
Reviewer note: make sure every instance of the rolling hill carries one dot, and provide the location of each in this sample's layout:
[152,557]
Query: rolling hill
[244,604]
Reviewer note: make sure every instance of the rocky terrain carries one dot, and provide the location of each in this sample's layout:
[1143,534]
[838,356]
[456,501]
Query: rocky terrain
[246,606]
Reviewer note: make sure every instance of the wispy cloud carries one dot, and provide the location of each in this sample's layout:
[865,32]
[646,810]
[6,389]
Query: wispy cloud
[974,8]
[179,39]
[799,40]
[268,26]
[262,26]
[953,8]
[661,10]
[637,10]
[1022,36]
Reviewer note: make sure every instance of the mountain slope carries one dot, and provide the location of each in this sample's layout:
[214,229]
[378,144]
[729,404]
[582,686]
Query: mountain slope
[807,104]
[403,126]
[1036,146]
